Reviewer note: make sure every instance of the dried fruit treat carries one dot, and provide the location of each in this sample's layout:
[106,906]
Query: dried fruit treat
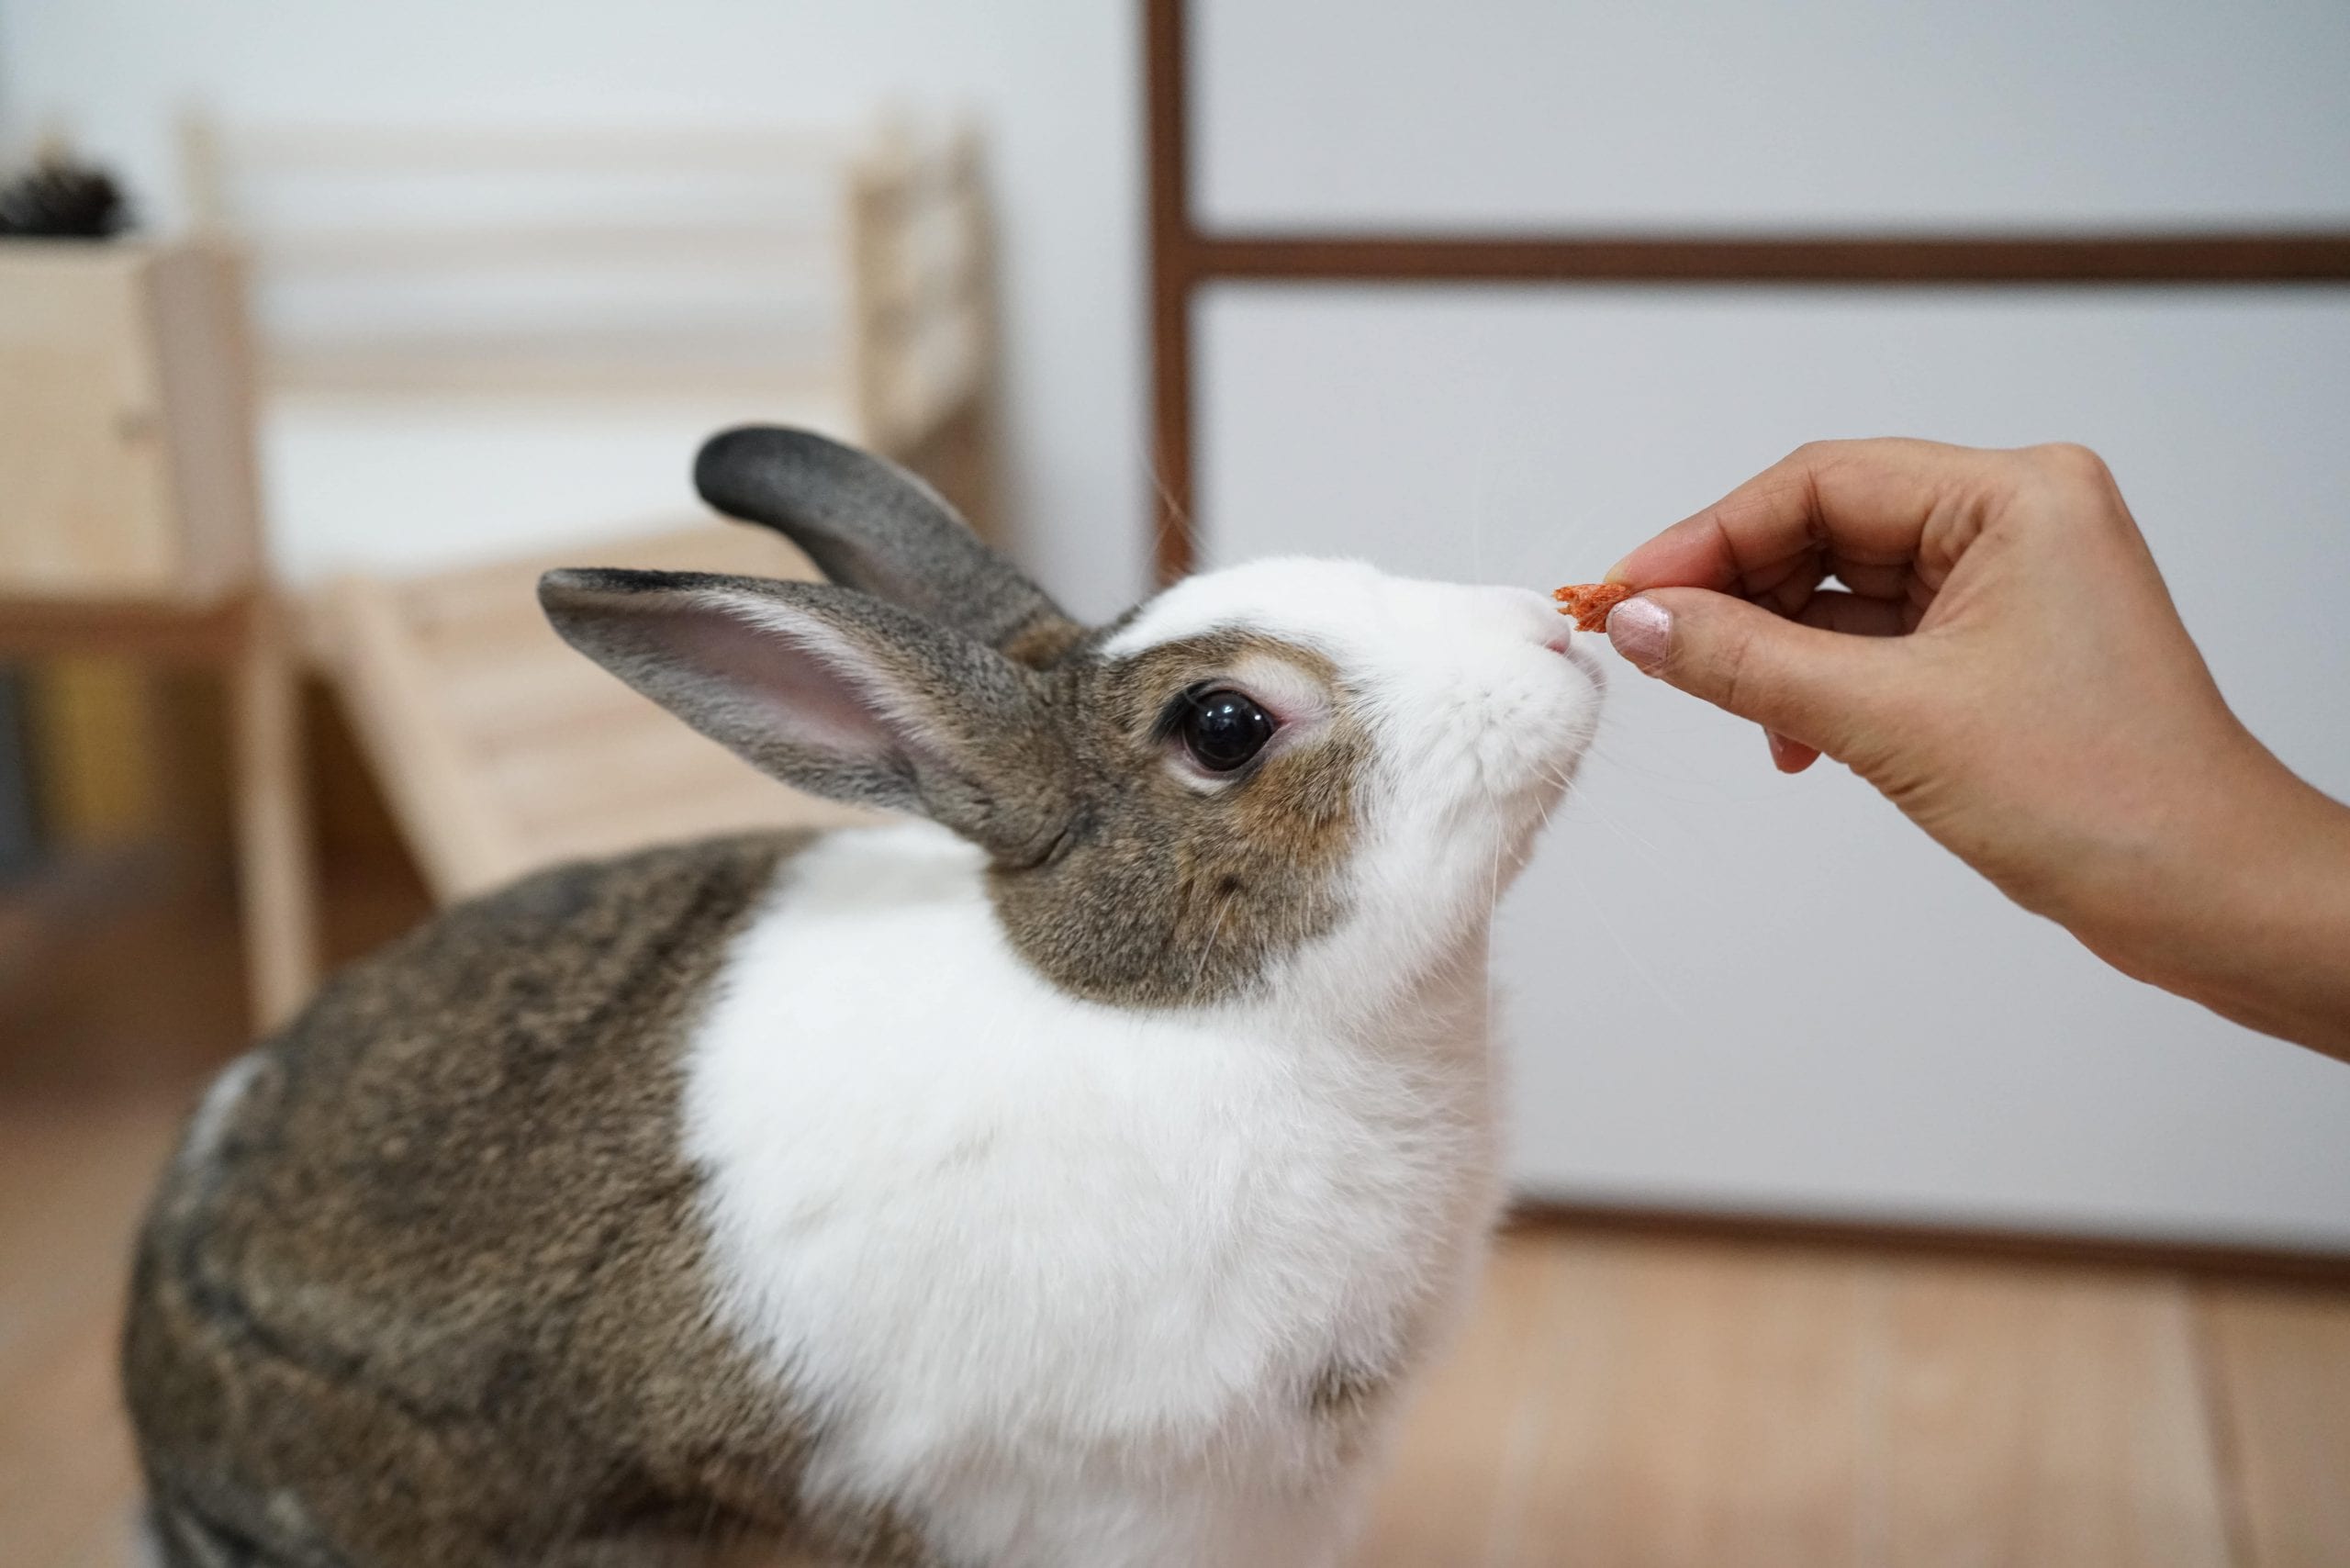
[1590,602]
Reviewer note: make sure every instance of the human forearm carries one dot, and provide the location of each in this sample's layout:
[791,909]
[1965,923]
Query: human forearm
[2248,912]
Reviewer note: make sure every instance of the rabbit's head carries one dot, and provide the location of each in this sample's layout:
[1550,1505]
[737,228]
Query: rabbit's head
[1295,774]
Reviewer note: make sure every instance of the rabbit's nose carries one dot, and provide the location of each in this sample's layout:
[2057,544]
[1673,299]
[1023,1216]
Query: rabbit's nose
[1515,608]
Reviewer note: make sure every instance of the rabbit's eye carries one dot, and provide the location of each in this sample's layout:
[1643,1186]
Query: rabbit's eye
[1222,729]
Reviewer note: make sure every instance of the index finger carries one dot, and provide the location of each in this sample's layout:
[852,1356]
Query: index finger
[1868,502]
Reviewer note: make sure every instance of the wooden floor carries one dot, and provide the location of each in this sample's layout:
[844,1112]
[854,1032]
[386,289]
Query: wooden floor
[1618,1401]
[1623,1401]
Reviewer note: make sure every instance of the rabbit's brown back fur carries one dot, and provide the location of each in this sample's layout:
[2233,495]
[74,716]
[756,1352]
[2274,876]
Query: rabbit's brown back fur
[435,1270]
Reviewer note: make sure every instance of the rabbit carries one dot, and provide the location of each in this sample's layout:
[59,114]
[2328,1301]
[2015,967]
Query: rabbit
[1071,1172]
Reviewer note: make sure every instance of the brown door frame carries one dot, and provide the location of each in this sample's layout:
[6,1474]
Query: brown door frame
[1183,257]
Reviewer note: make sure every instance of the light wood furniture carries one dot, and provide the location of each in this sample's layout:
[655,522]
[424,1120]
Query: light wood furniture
[1618,1399]
[535,282]
[123,428]
[501,750]
[130,524]
[841,280]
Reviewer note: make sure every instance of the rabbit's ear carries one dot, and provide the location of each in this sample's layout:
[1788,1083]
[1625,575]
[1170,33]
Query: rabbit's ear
[871,525]
[834,691]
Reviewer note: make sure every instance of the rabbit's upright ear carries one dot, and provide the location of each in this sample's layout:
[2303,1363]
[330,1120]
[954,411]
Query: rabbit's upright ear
[872,525]
[836,692]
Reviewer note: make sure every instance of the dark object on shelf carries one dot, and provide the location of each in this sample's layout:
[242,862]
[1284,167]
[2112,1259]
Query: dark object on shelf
[20,844]
[61,200]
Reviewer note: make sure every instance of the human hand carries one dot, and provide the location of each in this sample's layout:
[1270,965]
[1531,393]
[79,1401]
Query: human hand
[2004,662]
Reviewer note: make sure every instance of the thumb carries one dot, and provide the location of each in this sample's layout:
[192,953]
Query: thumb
[1807,685]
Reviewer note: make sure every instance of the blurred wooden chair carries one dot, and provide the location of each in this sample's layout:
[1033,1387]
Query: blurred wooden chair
[501,750]
[840,280]
[129,525]
[840,283]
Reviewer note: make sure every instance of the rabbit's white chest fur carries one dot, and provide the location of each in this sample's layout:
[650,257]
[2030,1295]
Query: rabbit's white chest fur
[1062,1281]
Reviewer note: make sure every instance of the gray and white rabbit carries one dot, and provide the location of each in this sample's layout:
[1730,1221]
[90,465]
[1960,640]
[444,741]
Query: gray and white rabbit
[1070,1176]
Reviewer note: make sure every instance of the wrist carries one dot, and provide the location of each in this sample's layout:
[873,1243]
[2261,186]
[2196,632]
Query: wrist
[2243,905]
[2138,842]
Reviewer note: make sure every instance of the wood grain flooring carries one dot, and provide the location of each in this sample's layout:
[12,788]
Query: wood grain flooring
[1617,1401]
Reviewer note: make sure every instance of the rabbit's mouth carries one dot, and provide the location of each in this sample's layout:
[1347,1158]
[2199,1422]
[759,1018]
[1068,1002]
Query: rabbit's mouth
[1537,726]
[1535,734]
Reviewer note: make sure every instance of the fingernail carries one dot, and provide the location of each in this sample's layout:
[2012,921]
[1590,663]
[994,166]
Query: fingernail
[1641,630]
[1615,572]
[1790,756]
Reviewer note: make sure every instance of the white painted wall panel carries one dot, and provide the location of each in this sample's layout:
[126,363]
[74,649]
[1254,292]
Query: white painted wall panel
[1732,988]
[1836,114]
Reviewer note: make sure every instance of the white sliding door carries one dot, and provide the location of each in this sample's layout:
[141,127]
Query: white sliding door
[1814,113]
[1730,987]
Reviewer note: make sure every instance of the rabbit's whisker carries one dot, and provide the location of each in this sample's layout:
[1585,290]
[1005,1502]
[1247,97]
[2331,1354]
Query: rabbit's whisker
[1215,934]
[1646,975]
[1184,528]
[1649,852]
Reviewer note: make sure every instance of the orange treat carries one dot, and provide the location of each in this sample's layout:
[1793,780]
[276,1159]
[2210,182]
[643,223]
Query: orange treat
[1590,602]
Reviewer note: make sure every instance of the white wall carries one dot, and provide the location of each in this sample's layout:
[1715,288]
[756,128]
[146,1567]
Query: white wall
[1730,987]
[1834,113]
[1053,82]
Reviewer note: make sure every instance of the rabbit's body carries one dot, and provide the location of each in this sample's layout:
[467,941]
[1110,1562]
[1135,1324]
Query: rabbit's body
[1074,1193]
[812,1285]
[1092,1288]
[426,1284]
